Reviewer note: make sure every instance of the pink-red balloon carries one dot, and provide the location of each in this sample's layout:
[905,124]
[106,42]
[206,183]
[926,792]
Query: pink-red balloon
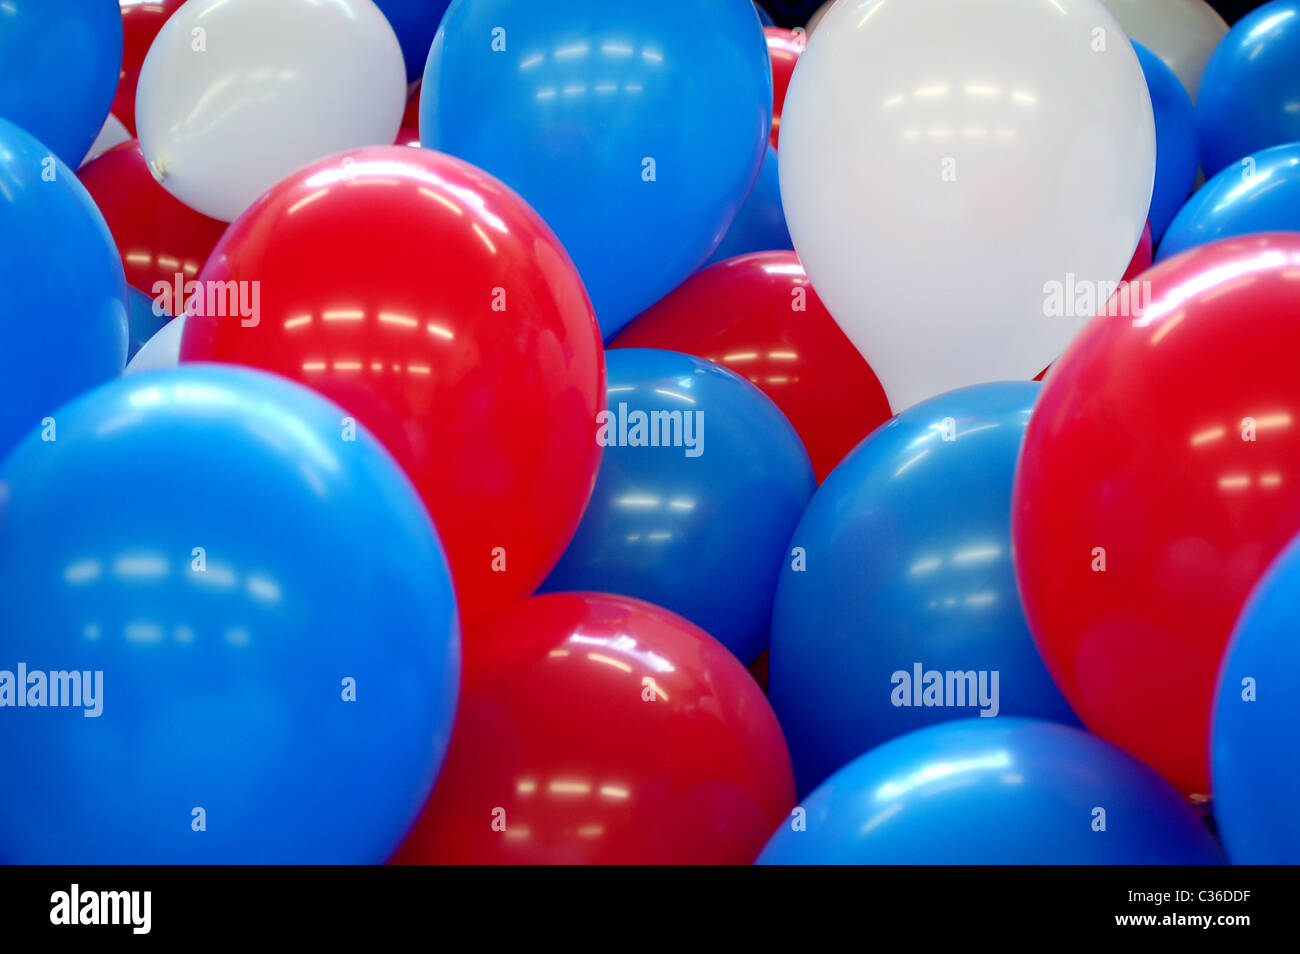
[783,47]
[140,24]
[1141,260]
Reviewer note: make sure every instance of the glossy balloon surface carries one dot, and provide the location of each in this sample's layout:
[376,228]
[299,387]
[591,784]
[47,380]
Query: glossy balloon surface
[1183,33]
[1177,147]
[760,224]
[141,22]
[143,320]
[783,47]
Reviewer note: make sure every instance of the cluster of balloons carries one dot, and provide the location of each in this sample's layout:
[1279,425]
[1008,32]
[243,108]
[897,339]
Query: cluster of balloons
[518,432]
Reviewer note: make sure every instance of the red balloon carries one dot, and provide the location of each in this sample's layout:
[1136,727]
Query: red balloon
[601,729]
[429,300]
[157,235]
[757,315]
[411,118]
[783,47]
[408,136]
[140,24]
[1160,474]
[1141,260]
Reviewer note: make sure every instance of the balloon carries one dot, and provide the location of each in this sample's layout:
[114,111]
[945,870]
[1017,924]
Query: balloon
[1177,156]
[908,579]
[431,302]
[140,25]
[58,68]
[276,86]
[1160,474]
[161,351]
[1182,33]
[922,205]
[815,20]
[1259,194]
[143,320]
[158,237]
[676,504]
[636,135]
[995,791]
[1250,93]
[1141,260]
[411,118]
[415,22]
[271,643]
[760,224]
[763,16]
[599,729]
[758,316]
[1256,751]
[783,47]
[63,324]
[111,134]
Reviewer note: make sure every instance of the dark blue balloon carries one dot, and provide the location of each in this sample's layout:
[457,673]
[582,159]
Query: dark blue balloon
[1261,193]
[635,130]
[760,226]
[1255,760]
[59,66]
[63,317]
[907,573]
[263,610]
[144,323]
[698,524]
[415,22]
[1177,153]
[1249,91]
[995,791]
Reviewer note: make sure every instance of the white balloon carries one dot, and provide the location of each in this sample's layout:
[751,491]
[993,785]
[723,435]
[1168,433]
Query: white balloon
[112,133]
[236,94]
[1183,33]
[948,166]
[161,351]
[819,15]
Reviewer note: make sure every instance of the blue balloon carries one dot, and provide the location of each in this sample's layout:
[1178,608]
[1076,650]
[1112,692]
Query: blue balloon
[760,226]
[1255,749]
[908,579]
[63,319]
[261,616]
[144,323]
[696,525]
[1259,194]
[635,133]
[1250,87]
[1177,151]
[995,791]
[415,22]
[59,65]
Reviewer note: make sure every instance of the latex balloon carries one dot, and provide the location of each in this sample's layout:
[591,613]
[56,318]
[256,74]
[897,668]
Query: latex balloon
[141,22]
[433,304]
[275,87]
[636,135]
[598,729]
[758,316]
[917,204]
[415,22]
[1256,752]
[1160,475]
[411,118]
[63,319]
[783,48]
[903,612]
[995,791]
[111,134]
[1177,152]
[144,320]
[764,17]
[1250,93]
[676,504]
[161,351]
[221,627]
[161,240]
[1141,260]
[59,61]
[1261,193]
[1182,33]
[760,224]
[819,14]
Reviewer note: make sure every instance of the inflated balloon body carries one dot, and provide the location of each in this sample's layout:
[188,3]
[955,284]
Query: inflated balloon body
[143,319]
[702,480]
[1160,475]
[903,611]
[757,315]
[1141,260]
[161,351]
[1177,155]
[1255,757]
[415,22]
[159,238]
[783,48]
[995,791]
[925,206]
[1182,33]
[1261,193]
[274,87]
[431,302]
[636,135]
[760,224]
[63,318]
[1251,87]
[140,25]
[595,728]
[111,134]
[267,653]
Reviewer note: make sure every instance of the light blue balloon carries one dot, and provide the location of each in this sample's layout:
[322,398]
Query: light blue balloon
[268,609]
[1177,152]
[415,22]
[635,130]
[908,572]
[1255,761]
[63,310]
[697,525]
[995,791]
[1259,194]
[760,226]
[59,65]
[144,323]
